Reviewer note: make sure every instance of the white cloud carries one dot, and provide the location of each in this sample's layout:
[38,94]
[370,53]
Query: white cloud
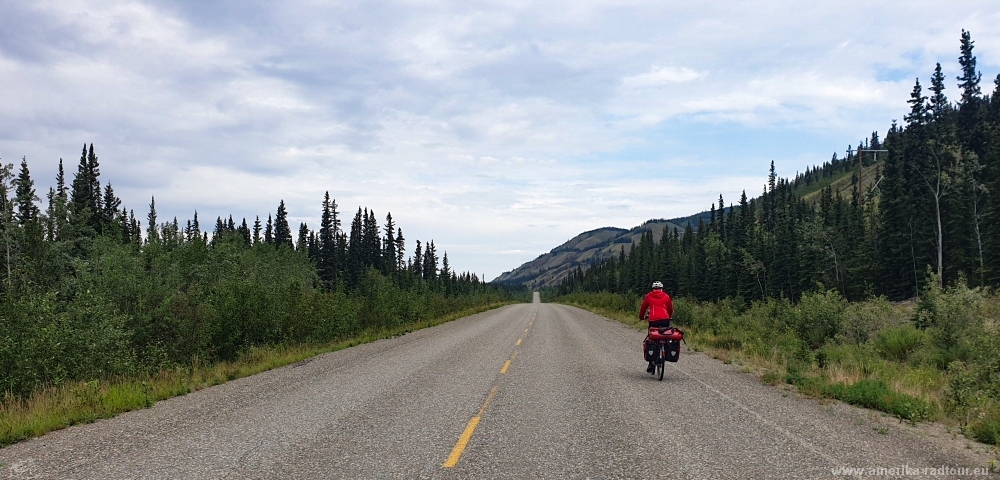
[498,129]
[659,77]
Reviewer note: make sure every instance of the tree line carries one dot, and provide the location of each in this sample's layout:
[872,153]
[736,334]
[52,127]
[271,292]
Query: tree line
[928,211]
[88,293]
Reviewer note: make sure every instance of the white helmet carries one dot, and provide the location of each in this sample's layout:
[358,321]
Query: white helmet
[657,285]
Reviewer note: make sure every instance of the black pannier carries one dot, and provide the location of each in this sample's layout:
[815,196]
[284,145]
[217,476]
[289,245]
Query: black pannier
[673,350]
[649,349]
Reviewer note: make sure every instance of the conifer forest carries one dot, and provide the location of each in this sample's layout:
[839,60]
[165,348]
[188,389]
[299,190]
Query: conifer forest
[92,292]
[927,211]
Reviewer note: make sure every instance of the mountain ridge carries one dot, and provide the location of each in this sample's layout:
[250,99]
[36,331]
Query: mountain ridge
[599,244]
[596,245]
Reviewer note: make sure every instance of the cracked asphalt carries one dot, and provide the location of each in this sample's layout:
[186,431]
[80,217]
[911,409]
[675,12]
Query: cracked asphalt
[574,401]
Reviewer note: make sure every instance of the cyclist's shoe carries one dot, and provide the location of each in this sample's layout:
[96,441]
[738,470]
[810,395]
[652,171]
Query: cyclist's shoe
[651,368]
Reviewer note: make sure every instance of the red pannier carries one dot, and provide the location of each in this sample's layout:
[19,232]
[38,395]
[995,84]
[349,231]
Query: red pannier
[668,333]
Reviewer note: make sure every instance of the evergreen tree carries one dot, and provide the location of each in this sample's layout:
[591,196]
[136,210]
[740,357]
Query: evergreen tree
[371,242]
[430,267]
[82,201]
[446,274]
[918,106]
[269,232]
[109,210]
[152,235]
[400,249]
[939,106]
[25,198]
[418,261]
[244,232]
[302,244]
[56,213]
[969,80]
[256,231]
[389,260]
[355,249]
[282,232]
[327,265]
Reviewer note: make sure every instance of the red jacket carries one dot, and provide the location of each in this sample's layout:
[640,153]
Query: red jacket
[659,305]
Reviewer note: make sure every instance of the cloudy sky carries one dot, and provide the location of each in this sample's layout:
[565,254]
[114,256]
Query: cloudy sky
[498,129]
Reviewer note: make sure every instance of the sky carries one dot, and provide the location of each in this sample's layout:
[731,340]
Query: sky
[497,129]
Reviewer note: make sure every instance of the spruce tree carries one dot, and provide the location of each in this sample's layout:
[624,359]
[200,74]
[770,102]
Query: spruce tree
[81,205]
[109,210]
[370,239]
[256,231]
[400,249]
[25,198]
[327,238]
[269,231]
[918,106]
[56,213]
[220,231]
[969,80]
[282,232]
[245,234]
[430,267]
[446,274]
[418,261]
[939,106]
[302,243]
[152,233]
[355,249]
[389,261]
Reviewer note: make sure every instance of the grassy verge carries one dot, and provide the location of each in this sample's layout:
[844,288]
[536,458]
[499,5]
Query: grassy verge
[83,402]
[936,359]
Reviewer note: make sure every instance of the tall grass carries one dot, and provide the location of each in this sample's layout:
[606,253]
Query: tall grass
[937,358]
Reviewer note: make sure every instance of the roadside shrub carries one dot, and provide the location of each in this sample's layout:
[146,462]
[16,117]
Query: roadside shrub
[820,316]
[987,428]
[898,343]
[862,320]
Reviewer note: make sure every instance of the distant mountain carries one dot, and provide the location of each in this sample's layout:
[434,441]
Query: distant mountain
[588,247]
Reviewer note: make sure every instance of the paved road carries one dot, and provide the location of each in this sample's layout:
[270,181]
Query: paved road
[574,401]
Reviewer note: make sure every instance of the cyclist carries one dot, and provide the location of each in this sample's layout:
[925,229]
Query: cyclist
[659,308]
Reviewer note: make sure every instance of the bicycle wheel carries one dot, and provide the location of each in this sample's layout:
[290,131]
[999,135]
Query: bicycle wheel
[662,361]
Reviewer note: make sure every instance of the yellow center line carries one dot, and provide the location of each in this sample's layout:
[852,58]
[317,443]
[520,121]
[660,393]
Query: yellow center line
[470,428]
[506,365]
[463,440]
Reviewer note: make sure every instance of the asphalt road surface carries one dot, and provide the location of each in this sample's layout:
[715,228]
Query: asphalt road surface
[525,391]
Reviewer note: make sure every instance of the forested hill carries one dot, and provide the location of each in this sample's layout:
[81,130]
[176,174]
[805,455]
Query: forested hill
[927,214]
[595,246]
[584,249]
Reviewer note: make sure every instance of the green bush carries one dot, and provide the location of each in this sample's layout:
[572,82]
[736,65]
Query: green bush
[987,428]
[820,316]
[898,343]
[121,310]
